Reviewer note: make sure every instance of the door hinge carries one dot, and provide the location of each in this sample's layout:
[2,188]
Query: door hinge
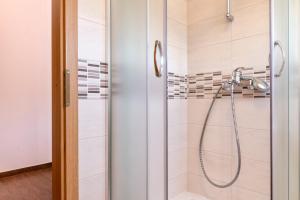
[67,75]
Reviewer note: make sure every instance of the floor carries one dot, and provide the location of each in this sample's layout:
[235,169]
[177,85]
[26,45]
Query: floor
[35,185]
[189,196]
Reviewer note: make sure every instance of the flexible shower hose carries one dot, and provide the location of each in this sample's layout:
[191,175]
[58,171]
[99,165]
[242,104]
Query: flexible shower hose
[236,139]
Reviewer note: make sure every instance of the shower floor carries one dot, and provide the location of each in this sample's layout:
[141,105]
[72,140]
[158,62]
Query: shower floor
[189,196]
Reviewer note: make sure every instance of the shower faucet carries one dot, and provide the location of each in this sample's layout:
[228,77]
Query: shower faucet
[237,75]
[254,83]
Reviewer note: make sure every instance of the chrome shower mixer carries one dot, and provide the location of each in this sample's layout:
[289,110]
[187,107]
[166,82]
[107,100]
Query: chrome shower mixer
[238,79]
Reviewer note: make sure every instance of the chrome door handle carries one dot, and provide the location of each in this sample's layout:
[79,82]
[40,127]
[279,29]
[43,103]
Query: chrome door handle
[158,49]
[277,43]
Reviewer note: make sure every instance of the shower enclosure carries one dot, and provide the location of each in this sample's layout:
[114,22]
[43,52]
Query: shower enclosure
[203,100]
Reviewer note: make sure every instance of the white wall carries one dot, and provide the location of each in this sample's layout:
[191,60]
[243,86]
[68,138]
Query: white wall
[25,83]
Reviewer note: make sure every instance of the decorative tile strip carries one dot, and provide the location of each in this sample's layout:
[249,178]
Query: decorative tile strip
[177,86]
[205,85]
[93,83]
[92,79]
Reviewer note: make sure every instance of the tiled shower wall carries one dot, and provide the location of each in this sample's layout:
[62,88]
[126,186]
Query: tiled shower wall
[177,111]
[215,45]
[92,99]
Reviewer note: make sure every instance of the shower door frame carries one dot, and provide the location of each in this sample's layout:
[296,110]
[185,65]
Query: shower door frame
[294,82]
[288,184]
[64,88]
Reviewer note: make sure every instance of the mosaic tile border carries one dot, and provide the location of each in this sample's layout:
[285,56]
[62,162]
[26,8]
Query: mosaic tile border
[205,85]
[92,79]
[93,83]
[177,86]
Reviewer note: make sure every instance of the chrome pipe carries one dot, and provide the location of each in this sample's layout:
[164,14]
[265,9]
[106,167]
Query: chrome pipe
[229,16]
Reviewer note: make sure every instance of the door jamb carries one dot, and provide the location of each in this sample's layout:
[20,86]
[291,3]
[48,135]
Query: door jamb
[64,118]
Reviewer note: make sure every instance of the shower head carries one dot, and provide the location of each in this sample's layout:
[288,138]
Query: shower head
[260,85]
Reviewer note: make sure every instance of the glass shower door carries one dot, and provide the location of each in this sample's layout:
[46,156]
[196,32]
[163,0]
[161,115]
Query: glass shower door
[157,101]
[294,103]
[128,101]
[285,97]
[138,101]
[280,98]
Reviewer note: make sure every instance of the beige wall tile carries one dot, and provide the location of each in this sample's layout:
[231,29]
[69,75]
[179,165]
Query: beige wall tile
[177,185]
[194,132]
[92,118]
[91,156]
[251,21]
[204,9]
[209,58]
[238,4]
[199,185]
[255,144]
[91,40]
[207,32]
[196,110]
[218,139]
[255,176]
[92,188]
[177,163]
[189,196]
[243,194]
[221,114]
[92,113]
[217,166]
[251,52]
[94,10]
[177,111]
[177,137]
[177,34]
[253,113]
[177,10]
[177,60]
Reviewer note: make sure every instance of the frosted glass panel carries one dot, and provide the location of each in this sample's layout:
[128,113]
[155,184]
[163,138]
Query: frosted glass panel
[128,100]
[294,100]
[280,103]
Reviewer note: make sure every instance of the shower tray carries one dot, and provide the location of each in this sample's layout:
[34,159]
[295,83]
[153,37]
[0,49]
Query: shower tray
[189,196]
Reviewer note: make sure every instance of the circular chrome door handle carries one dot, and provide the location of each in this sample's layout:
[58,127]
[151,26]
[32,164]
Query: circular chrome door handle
[277,43]
[158,67]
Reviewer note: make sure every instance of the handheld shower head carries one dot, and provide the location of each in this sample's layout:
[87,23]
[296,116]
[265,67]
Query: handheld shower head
[260,85]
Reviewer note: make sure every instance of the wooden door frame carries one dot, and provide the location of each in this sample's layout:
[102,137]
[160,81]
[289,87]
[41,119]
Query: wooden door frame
[64,118]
